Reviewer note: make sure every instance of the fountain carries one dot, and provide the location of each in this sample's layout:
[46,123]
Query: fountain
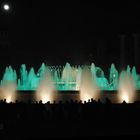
[46,89]
[64,78]
[87,80]
[88,86]
[127,87]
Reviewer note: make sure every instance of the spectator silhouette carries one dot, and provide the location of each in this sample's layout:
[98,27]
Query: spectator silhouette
[108,101]
[124,102]
[40,102]
[21,116]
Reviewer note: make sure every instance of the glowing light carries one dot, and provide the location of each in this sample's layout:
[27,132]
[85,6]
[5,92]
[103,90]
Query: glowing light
[85,97]
[8,92]
[8,99]
[125,97]
[46,89]
[6,7]
[44,100]
[88,87]
[126,88]
[45,96]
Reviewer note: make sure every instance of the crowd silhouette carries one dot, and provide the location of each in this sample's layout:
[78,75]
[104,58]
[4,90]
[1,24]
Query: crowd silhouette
[69,118]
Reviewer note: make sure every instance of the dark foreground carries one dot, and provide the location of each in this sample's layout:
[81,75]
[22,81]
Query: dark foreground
[70,119]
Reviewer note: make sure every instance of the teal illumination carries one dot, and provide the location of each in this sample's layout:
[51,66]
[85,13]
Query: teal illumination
[66,77]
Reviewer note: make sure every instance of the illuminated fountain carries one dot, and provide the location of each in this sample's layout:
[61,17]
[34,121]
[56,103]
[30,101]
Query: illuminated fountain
[64,78]
[127,87]
[46,90]
[8,84]
[8,91]
[89,80]
[88,85]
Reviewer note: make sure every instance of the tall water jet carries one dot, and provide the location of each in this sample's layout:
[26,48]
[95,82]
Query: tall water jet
[127,88]
[135,77]
[113,78]
[41,70]
[8,91]
[8,86]
[101,81]
[46,90]
[78,78]
[67,77]
[88,87]
[93,70]
[32,80]
[24,76]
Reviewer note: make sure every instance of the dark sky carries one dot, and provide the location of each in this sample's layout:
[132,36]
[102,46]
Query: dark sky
[79,33]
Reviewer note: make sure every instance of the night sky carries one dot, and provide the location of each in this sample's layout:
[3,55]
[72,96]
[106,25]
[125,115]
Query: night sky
[56,33]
